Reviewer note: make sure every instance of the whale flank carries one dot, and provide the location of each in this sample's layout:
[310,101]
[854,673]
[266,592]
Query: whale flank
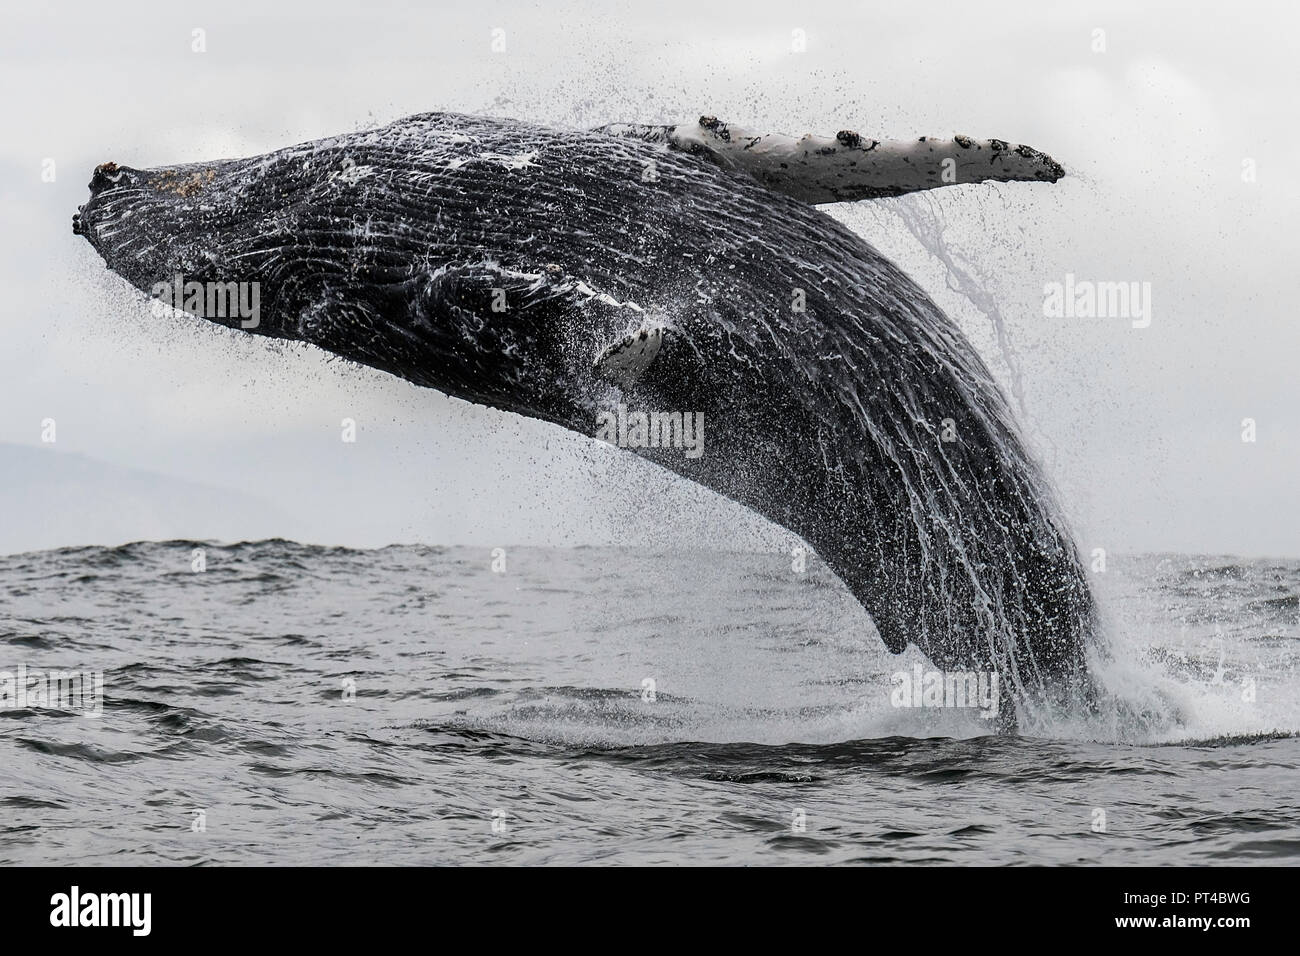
[669,273]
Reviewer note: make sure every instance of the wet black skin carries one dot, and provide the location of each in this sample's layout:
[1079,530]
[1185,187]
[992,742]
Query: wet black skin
[390,247]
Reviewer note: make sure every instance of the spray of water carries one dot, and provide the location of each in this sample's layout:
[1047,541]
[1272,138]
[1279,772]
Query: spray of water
[1151,691]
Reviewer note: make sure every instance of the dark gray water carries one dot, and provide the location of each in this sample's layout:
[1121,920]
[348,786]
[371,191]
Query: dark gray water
[502,717]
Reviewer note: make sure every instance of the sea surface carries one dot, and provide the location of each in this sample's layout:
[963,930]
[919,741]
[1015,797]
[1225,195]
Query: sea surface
[294,704]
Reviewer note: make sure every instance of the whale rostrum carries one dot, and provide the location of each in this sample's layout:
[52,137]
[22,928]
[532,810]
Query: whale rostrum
[670,271]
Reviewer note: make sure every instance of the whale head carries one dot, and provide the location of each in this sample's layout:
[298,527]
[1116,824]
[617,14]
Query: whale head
[301,244]
[154,225]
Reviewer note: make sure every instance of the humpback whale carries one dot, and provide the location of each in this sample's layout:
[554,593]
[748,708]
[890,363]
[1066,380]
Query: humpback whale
[562,274]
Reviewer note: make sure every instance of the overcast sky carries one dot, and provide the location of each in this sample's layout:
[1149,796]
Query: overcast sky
[1139,428]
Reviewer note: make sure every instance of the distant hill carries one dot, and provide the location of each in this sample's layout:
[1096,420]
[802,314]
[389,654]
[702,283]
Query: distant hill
[52,499]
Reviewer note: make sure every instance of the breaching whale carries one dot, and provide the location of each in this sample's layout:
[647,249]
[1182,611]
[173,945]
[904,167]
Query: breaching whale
[563,274]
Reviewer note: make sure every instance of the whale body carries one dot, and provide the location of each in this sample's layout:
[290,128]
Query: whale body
[573,275]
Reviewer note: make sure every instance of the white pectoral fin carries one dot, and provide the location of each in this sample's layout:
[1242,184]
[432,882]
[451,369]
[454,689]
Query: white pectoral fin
[848,166]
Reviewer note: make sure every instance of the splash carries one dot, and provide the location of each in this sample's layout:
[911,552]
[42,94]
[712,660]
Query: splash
[922,214]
